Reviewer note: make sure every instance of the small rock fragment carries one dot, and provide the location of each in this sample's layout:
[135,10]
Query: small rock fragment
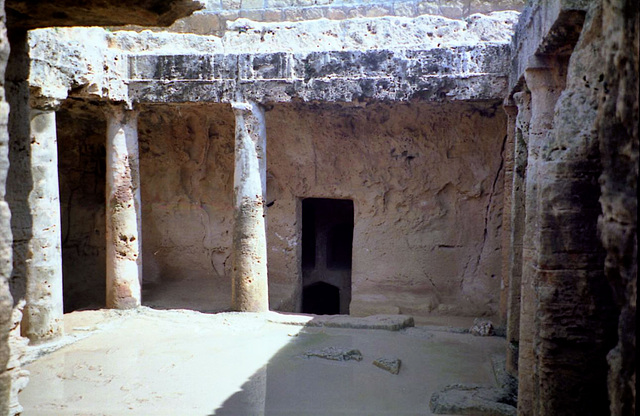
[482,328]
[335,354]
[467,399]
[392,365]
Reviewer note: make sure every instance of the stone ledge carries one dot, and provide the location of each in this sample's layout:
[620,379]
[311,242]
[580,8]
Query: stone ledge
[436,88]
[385,322]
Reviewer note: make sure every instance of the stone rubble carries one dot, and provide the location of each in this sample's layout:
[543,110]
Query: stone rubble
[482,328]
[335,354]
[391,365]
[468,399]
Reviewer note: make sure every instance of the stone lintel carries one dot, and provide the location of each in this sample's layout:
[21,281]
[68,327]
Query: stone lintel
[460,73]
[551,28]
[471,88]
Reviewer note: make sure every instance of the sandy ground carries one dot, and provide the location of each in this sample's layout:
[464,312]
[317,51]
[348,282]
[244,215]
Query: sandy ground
[178,362]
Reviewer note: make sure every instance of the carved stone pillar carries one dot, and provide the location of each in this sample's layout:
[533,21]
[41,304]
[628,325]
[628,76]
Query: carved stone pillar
[123,210]
[517,221]
[512,111]
[43,312]
[545,80]
[249,291]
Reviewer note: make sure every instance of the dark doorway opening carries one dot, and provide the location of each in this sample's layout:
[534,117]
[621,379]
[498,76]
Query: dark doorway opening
[327,240]
[321,298]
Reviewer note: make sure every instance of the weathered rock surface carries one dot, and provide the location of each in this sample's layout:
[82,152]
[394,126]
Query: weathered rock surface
[41,13]
[391,365]
[383,322]
[17,348]
[465,399]
[214,19]
[617,130]
[482,328]
[426,58]
[335,354]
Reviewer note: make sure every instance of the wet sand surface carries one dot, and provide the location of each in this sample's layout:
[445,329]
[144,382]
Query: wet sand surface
[180,362]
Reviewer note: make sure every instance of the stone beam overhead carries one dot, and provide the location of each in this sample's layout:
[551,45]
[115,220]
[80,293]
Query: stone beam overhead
[33,14]
[428,58]
[546,28]
[461,73]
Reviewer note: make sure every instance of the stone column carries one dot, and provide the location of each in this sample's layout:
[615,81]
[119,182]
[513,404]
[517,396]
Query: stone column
[511,110]
[123,210]
[575,318]
[545,81]
[249,292]
[44,307]
[517,220]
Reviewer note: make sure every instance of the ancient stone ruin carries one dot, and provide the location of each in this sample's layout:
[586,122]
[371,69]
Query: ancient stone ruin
[335,157]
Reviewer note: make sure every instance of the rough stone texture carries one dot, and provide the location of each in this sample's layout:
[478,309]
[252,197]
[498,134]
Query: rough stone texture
[426,58]
[517,217]
[545,83]
[574,325]
[249,290]
[391,365]
[43,269]
[425,181]
[17,347]
[482,328]
[123,210]
[544,27]
[30,14]
[508,156]
[335,354]
[446,157]
[6,300]
[572,309]
[216,16]
[617,129]
[32,194]
[464,399]
[187,192]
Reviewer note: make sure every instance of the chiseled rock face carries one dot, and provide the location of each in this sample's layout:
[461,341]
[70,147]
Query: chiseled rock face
[617,123]
[425,181]
[390,58]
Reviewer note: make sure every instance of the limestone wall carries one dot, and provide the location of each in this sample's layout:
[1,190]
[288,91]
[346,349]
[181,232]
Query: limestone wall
[214,19]
[425,180]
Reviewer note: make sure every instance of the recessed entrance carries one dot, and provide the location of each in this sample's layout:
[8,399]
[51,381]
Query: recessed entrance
[327,238]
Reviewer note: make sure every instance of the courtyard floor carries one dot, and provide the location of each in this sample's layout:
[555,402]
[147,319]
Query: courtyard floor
[183,362]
